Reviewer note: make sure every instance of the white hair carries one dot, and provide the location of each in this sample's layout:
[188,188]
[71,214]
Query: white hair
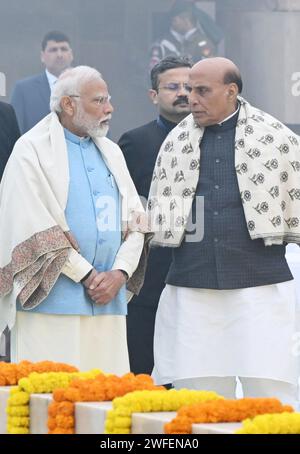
[70,83]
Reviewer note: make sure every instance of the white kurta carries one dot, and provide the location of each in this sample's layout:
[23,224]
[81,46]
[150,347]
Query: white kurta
[84,342]
[293,259]
[33,227]
[242,332]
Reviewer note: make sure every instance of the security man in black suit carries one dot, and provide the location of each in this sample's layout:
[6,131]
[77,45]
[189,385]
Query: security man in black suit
[9,133]
[170,92]
[31,96]
[191,32]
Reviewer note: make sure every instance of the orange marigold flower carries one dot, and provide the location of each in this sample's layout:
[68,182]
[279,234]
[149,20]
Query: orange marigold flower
[59,395]
[65,422]
[101,388]
[10,374]
[51,423]
[61,431]
[65,409]
[73,395]
[222,410]
[53,409]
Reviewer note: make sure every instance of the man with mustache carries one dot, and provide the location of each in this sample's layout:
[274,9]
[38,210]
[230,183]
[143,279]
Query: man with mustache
[170,93]
[31,96]
[75,235]
[229,306]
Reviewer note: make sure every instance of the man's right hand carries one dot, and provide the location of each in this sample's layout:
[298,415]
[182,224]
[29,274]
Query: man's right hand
[88,281]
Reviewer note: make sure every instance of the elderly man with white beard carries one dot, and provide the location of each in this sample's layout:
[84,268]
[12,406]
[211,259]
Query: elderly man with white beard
[71,233]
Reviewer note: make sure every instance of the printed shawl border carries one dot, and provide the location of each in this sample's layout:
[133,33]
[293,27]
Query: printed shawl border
[35,266]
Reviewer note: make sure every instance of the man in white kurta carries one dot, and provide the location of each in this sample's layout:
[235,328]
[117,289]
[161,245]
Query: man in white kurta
[76,236]
[229,306]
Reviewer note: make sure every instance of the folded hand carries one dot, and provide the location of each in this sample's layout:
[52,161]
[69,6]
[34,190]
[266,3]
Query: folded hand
[104,286]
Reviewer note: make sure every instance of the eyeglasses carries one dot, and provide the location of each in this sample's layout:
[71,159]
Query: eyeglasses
[100,101]
[175,87]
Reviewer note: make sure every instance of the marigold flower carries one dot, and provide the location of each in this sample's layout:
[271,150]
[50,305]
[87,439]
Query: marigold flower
[59,394]
[96,388]
[10,374]
[67,422]
[22,410]
[53,408]
[119,418]
[19,421]
[222,411]
[62,431]
[51,423]
[284,423]
[18,398]
[17,430]
[66,408]
[35,379]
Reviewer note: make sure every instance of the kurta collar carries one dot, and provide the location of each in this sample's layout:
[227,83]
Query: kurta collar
[165,124]
[74,138]
[229,123]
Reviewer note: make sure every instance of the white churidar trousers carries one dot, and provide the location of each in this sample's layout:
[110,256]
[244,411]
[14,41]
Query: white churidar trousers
[82,341]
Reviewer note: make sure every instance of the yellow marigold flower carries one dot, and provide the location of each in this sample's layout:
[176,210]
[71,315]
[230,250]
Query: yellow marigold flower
[22,410]
[109,425]
[283,423]
[123,431]
[17,430]
[122,411]
[46,382]
[18,421]
[18,398]
[14,390]
[123,422]
[93,373]
[147,401]
[27,385]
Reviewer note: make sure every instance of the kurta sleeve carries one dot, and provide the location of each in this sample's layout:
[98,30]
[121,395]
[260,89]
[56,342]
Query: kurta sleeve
[129,254]
[76,267]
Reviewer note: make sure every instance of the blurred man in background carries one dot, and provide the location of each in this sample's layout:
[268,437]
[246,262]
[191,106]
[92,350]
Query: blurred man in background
[192,33]
[31,96]
[9,133]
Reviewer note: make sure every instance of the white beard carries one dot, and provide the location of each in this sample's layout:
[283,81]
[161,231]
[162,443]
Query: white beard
[92,128]
[98,131]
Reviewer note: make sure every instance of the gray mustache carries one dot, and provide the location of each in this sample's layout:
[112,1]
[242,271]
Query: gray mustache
[106,119]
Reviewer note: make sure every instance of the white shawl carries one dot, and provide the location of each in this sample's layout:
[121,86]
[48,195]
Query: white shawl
[34,236]
[267,164]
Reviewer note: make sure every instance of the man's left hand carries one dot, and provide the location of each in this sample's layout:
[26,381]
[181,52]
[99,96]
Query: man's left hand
[105,286]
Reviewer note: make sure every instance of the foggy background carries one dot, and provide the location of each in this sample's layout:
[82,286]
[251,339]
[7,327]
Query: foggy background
[115,36]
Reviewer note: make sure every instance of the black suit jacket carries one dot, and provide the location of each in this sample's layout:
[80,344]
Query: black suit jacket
[9,133]
[30,99]
[140,148]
